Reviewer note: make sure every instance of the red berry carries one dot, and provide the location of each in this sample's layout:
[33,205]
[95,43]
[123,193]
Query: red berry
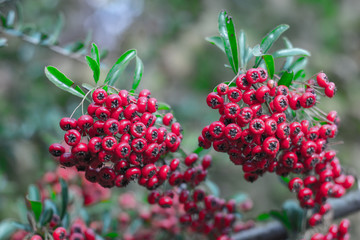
[315,219]
[72,137]
[253,75]
[330,90]
[56,149]
[68,123]
[222,89]
[165,202]
[59,233]
[99,96]
[343,227]
[234,95]
[296,184]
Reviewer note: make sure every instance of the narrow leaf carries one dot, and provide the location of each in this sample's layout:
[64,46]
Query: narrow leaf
[61,81]
[64,197]
[34,193]
[300,74]
[94,67]
[46,216]
[36,208]
[34,198]
[118,68]
[269,40]
[256,51]
[282,217]
[263,217]
[290,59]
[217,41]
[270,65]
[163,106]
[228,35]
[10,19]
[286,78]
[53,39]
[295,214]
[95,53]
[298,64]
[291,52]
[242,48]
[139,68]
[198,150]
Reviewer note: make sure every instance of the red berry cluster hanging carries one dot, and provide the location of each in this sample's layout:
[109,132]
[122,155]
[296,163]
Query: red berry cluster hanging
[269,128]
[203,212]
[120,139]
[335,232]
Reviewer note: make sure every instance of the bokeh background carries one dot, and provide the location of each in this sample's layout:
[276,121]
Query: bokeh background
[180,69]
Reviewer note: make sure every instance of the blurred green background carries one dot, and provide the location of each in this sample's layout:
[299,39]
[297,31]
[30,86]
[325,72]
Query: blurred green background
[180,69]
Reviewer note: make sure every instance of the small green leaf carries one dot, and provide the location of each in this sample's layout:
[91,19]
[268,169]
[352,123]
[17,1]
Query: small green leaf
[61,81]
[290,59]
[217,41]
[64,197]
[46,216]
[48,204]
[282,217]
[74,47]
[10,19]
[119,67]
[7,228]
[263,217]
[3,42]
[163,106]
[228,35]
[291,52]
[256,51]
[36,207]
[94,67]
[95,53]
[112,235]
[214,189]
[286,78]
[295,214]
[198,150]
[242,48]
[269,40]
[298,64]
[285,179]
[34,193]
[300,74]
[53,39]
[139,68]
[270,65]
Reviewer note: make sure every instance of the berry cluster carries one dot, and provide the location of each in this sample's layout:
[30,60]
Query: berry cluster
[203,213]
[335,232]
[266,127]
[78,231]
[120,139]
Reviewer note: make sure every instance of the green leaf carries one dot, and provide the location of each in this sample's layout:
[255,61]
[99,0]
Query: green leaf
[53,39]
[282,217]
[139,68]
[95,53]
[163,106]
[269,40]
[300,74]
[61,81]
[198,150]
[64,197]
[298,64]
[217,41]
[256,51]
[291,52]
[270,65]
[36,207]
[290,59]
[286,78]
[286,180]
[214,189]
[94,67]
[48,204]
[263,217]
[228,35]
[10,19]
[34,193]
[112,235]
[46,216]
[7,228]
[3,42]
[242,48]
[272,36]
[119,67]
[295,214]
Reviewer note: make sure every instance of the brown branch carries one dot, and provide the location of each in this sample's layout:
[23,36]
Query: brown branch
[274,230]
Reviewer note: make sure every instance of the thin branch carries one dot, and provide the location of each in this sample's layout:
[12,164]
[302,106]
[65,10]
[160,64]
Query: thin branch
[274,230]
